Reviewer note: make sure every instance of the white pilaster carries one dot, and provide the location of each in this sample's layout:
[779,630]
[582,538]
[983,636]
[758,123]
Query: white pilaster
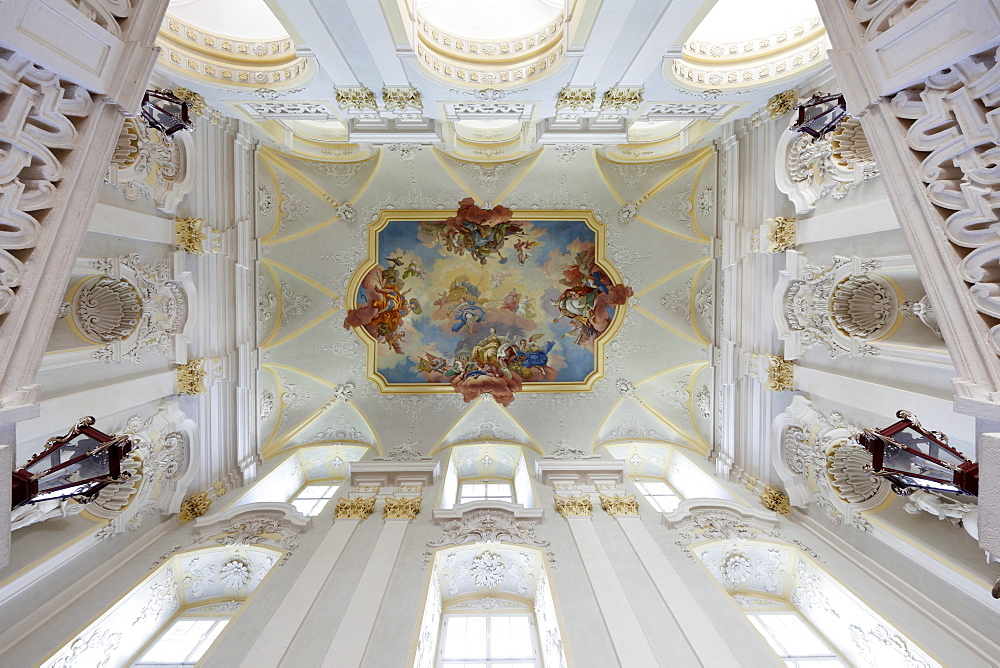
[705,640]
[351,640]
[270,647]
[630,642]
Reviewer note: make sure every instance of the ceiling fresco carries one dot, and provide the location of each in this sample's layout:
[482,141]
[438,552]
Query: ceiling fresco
[577,218]
[482,302]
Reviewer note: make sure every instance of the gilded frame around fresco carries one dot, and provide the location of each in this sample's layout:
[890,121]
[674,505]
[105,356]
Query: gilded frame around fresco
[371,261]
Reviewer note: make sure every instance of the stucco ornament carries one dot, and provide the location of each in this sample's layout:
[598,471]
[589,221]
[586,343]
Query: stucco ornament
[736,568]
[487,570]
[235,573]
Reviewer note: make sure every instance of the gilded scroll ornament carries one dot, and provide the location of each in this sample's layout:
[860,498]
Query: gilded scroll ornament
[574,506]
[188,235]
[782,234]
[780,374]
[782,103]
[622,98]
[194,506]
[401,509]
[620,505]
[774,499]
[191,377]
[576,98]
[355,509]
[402,99]
[356,99]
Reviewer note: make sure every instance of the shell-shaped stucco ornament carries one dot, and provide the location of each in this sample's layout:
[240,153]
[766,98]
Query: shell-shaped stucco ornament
[235,574]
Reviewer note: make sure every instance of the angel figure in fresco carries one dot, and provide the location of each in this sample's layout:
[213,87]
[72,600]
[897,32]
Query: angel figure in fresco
[480,232]
[588,298]
[382,306]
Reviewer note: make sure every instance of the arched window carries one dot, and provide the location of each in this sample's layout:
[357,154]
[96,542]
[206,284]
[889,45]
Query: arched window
[175,614]
[307,478]
[807,617]
[489,605]
[488,472]
[665,476]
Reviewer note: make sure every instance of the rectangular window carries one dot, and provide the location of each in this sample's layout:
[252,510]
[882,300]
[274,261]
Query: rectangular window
[659,494]
[183,643]
[311,500]
[485,491]
[488,641]
[794,640]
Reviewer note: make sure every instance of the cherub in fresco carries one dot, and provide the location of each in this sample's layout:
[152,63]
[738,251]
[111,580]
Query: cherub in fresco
[384,307]
[523,248]
[587,299]
[481,232]
[413,269]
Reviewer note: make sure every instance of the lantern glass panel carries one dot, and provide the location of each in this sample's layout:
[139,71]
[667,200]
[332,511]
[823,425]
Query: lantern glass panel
[917,441]
[87,468]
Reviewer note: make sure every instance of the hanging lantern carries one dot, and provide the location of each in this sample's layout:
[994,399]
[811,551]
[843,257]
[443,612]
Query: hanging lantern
[912,458]
[72,470]
[166,112]
[820,114]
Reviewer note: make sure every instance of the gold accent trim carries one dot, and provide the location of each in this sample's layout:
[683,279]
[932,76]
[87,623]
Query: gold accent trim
[401,99]
[574,506]
[401,509]
[355,509]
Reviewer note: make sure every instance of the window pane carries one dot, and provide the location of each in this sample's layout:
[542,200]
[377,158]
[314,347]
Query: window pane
[465,638]
[185,641]
[311,500]
[790,636]
[491,491]
[510,638]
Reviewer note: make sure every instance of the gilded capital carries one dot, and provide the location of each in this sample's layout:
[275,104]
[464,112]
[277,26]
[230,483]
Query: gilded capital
[619,505]
[356,99]
[402,99]
[191,377]
[194,506]
[405,508]
[574,506]
[622,98]
[780,374]
[781,236]
[189,235]
[782,103]
[355,509]
[576,98]
[774,499]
